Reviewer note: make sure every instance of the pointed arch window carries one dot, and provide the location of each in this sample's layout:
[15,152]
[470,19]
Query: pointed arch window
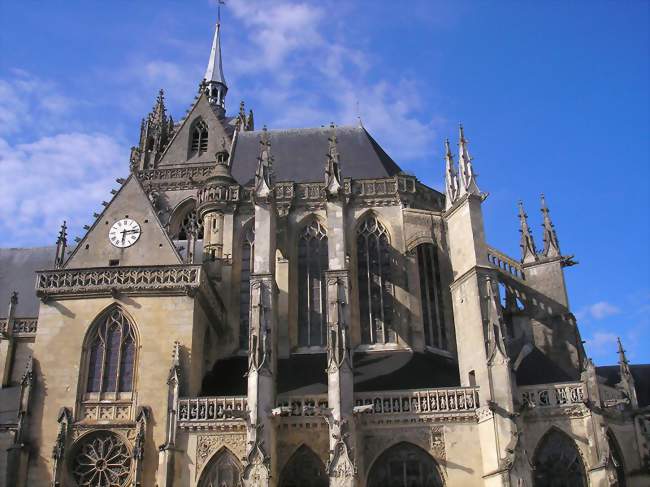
[374,282]
[304,469]
[199,143]
[433,319]
[312,264]
[223,471]
[558,462]
[111,355]
[247,255]
[405,465]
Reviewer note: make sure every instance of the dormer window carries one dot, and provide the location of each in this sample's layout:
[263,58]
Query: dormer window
[199,143]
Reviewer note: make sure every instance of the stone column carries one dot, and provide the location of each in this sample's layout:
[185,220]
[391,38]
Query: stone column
[479,337]
[259,465]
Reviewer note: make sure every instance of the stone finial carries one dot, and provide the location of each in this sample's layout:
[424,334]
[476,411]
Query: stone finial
[451,177]
[528,251]
[263,174]
[61,244]
[627,380]
[333,184]
[467,177]
[622,359]
[551,243]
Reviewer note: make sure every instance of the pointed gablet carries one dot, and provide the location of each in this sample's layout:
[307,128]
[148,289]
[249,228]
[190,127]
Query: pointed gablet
[528,251]
[551,243]
[467,177]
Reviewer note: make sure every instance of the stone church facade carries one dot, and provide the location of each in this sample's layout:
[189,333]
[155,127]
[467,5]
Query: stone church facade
[290,308]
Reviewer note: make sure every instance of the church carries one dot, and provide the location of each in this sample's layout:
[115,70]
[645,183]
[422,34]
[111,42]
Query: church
[289,308]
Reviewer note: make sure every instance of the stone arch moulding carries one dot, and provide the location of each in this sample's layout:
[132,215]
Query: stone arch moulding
[430,473]
[419,239]
[548,435]
[221,457]
[178,214]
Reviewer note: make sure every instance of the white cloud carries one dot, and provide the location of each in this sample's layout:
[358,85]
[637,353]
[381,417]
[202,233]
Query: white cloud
[598,311]
[601,344]
[53,178]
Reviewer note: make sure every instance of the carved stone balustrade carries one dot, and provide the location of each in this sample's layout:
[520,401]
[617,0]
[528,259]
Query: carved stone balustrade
[22,326]
[200,411]
[566,394]
[110,280]
[175,178]
[505,264]
[420,401]
[303,405]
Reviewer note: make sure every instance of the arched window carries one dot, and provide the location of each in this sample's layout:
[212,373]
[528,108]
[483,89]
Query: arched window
[111,354]
[558,462]
[191,220]
[375,288]
[247,253]
[223,471]
[404,465]
[431,296]
[304,469]
[199,143]
[312,288]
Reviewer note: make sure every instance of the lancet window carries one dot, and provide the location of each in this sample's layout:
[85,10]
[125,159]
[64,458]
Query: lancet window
[558,462]
[431,296]
[247,254]
[312,288]
[374,282]
[111,355]
[199,143]
[223,471]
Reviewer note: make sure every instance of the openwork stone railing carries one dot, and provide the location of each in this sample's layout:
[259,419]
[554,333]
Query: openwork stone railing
[205,409]
[184,172]
[181,278]
[303,405]
[22,326]
[419,401]
[553,395]
[505,263]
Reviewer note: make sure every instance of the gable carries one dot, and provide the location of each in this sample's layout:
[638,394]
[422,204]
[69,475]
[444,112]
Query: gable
[178,150]
[153,247]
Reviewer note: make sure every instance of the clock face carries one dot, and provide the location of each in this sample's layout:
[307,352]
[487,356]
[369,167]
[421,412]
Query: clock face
[124,233]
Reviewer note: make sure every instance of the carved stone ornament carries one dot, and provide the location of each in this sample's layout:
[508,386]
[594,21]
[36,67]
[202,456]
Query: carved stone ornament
[257,471]
[341,465]
[208,445]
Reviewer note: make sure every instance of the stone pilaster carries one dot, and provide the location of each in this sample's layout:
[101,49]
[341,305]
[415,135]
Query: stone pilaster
[7,343]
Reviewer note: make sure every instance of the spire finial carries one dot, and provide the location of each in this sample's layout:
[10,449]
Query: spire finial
[214,81]
[61,244]
[467,177]
[551,243]
[451,177]
[622,359]
[528,251]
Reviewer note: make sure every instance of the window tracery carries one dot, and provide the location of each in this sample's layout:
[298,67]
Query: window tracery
[404,465]
[111,355]
[374,282]
[247,255]
[101,459]
[304,469]
[431,296]
[224,471]
[312,288]
[199,143]
[558,462]
[190,222]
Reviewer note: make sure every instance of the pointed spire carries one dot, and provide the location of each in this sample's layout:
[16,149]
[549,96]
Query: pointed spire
[263,175]
[551,243]
[622,359]
[528,251]
[451,177]
[333,165]
[467,177]
[627,380]
[214,80]
[159,112]
[61,244]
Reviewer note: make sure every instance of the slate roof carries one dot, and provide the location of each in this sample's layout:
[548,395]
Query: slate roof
[300,154]
[538,368]
[640,374]
[305,373]
[17,273]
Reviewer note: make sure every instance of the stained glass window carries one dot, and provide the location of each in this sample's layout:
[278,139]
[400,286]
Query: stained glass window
[558,462]
[404,465]
[101,459]
[222,471]
[304,469]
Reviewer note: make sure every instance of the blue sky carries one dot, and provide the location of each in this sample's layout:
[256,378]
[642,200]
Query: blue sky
[553,96]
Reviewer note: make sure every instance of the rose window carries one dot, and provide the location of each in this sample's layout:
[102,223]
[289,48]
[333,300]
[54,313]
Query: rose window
[102,460]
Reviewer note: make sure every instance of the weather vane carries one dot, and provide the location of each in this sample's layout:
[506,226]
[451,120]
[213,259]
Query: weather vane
[219,4]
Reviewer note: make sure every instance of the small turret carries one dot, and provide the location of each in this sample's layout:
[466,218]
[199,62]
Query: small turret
[61,244]
[551,243]
[214,82]
[528,251]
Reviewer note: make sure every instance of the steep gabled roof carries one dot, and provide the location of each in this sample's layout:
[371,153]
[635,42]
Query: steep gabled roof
[300,154]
